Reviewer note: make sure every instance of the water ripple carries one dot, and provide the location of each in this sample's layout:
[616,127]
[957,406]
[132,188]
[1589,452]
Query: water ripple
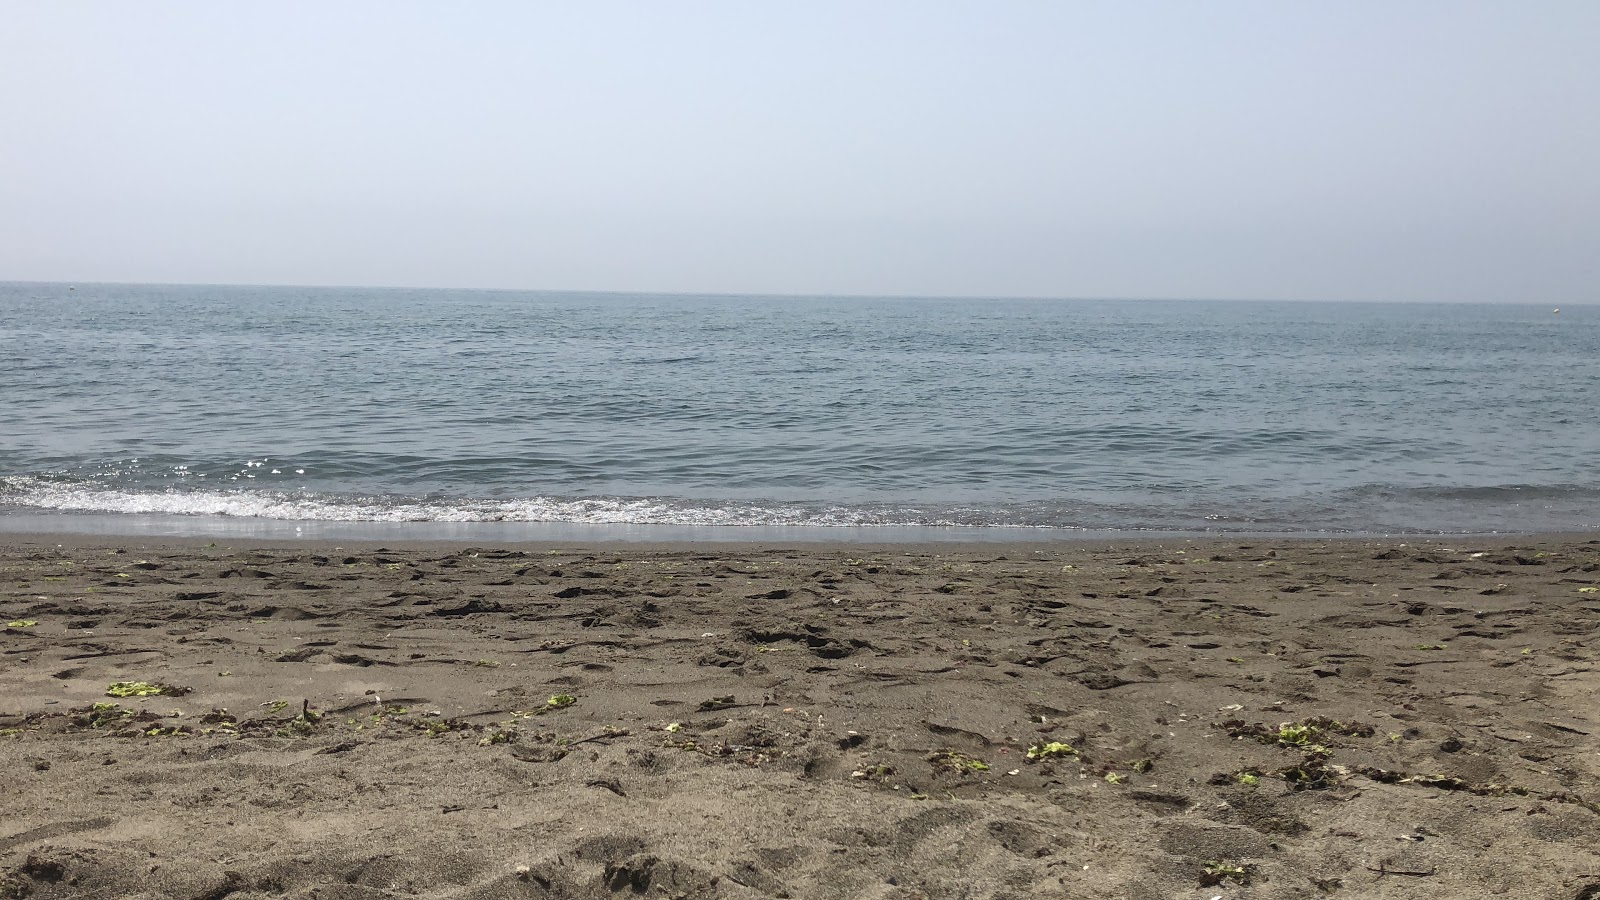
[771,410]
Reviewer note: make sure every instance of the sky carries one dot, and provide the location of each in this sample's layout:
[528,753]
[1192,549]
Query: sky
[1350,150]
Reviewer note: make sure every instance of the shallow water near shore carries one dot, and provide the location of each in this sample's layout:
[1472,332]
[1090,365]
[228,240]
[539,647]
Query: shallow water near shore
[263,529]
[260,411]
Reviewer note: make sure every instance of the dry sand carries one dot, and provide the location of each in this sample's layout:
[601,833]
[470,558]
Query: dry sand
[801,721]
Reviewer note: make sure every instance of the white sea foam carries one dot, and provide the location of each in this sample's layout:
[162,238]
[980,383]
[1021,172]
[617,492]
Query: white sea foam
[291,506]
[26,493]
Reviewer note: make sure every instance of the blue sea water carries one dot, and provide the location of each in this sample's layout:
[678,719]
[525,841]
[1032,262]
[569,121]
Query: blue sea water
[288,404]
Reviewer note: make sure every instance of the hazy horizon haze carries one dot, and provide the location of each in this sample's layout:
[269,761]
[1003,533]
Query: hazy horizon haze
[1431,151]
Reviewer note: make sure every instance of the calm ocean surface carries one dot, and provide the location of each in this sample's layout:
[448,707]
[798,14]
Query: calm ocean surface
[120,403]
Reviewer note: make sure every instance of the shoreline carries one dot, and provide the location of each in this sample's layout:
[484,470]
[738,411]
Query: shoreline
[763,719]
[243,530]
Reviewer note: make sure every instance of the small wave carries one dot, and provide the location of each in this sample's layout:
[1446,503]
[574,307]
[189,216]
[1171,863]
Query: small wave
[664,361]
[1495,493]
[1369,509]
[295,506]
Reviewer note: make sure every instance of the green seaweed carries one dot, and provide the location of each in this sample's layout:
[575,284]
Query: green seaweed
[1305,735]
[874,771]
[144,689]
[958,761]
[103,714]
[1218,871]
[304,723]
[1312,774]
[498,736]
[1049,749]
[1293,735]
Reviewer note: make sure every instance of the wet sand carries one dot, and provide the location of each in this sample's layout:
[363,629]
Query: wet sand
[1245,718]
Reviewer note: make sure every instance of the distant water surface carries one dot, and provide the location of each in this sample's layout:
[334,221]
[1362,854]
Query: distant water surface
[362,405]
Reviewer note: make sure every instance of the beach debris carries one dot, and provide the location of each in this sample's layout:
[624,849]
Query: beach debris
[1293,735]
[144,689]
[498,736]
[1383,869]
[610,784]
[1441,781]
[607,734]
[1312,774]
[300,655]
[1218,871]
[219,720]
[958,761]
[1049,749]
[1116,778]
[302,724]
[1305,735]
[874,771]
[539,753]
[435,727]
[103,714]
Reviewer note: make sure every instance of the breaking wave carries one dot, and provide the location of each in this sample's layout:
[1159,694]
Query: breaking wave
[1369,509]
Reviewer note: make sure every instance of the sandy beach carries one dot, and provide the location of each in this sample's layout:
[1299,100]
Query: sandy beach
[1242,718]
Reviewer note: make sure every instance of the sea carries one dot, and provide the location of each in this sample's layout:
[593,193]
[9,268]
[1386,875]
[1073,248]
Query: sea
[507,415]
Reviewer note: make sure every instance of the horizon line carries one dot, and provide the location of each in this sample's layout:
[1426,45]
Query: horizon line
[794,295]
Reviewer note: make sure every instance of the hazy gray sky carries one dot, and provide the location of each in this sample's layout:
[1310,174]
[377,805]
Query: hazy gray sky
[1360,150]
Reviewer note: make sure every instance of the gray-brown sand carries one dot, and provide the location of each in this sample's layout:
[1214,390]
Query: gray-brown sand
[1246,718]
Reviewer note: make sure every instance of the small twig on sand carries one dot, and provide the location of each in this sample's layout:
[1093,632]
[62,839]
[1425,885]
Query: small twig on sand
[611,785]
[1383,869]
[601,737]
